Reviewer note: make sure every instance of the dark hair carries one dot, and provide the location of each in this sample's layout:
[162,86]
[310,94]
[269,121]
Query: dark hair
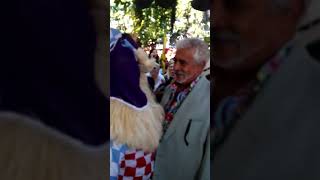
[157,57]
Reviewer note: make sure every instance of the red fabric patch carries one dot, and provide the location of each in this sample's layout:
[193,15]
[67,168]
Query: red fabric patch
[123,164]
[131,156]
[141,162]
[148,169]
[129,171]
[153,156]
[169,116]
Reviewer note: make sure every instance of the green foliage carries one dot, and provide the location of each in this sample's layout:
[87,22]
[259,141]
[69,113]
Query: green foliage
[152,23]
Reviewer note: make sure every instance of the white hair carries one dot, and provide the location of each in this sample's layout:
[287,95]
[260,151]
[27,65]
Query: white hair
[201,48]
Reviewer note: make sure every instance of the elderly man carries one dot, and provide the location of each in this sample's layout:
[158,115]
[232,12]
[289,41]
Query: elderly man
[184,149]
[266,91]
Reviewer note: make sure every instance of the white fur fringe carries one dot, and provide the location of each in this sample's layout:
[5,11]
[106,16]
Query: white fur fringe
[146,63]
[137,129]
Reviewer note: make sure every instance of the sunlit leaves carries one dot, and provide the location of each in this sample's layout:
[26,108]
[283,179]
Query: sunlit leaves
[153,22]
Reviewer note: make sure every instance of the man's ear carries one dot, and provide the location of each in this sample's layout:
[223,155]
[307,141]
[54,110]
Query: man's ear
[203,64]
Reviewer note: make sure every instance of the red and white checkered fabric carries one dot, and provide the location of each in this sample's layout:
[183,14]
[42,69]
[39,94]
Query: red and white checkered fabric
[136,165]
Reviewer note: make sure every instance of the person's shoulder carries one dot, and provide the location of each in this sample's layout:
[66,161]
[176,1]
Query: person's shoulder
[161,77]
[204,80]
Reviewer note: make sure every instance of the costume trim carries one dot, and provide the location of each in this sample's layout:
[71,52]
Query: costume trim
[137,129]
[128,104]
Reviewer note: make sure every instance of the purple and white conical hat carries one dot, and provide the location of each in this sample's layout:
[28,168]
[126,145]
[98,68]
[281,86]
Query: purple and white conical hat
[124,71]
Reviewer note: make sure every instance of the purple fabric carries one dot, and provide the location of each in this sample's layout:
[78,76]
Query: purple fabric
[125,74]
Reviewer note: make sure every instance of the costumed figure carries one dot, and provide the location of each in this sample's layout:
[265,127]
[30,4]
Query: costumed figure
[135,117]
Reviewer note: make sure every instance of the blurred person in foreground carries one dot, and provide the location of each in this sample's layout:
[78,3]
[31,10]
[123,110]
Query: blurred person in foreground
[265,89]
[54,106]
[184,150]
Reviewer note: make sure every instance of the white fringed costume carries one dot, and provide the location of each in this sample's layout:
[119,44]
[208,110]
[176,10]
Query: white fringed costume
[135,131]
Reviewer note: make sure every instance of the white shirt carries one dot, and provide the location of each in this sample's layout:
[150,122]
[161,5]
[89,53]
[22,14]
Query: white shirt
[160,79]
